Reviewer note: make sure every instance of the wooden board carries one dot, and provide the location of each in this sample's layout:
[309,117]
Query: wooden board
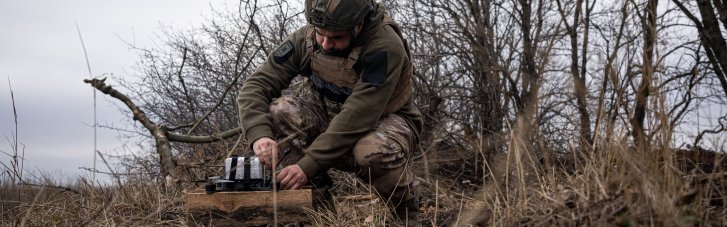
[248,208]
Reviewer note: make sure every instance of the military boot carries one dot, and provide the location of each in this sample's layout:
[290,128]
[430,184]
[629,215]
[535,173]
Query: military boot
[407,212]
[322,197]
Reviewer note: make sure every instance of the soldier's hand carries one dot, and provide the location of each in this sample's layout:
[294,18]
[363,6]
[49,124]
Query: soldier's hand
[267,150]
[292,177]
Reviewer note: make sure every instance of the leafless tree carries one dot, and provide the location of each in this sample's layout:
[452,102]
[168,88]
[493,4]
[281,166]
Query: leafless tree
[648,21]
[186,88]
[579,59]
[712,39]
[539,73]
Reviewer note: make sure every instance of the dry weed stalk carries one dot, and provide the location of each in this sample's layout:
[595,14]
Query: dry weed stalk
[613,184]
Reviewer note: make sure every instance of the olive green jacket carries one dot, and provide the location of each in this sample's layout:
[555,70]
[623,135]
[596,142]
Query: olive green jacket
[359,113]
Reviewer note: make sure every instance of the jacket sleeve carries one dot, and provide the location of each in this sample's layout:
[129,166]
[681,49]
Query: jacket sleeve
[266,83]
[383,63]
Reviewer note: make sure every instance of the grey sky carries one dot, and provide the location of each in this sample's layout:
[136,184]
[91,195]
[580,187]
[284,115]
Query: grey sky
[41,54]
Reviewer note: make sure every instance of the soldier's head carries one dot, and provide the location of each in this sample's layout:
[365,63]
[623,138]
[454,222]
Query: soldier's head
[337,22]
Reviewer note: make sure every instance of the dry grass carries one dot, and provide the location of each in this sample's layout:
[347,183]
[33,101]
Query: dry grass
[615,185]
[134,203]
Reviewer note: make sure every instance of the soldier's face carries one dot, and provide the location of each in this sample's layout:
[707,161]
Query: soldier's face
[336,42]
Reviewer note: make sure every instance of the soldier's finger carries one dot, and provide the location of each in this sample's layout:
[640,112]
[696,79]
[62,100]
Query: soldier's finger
[289,182]
[284,185]
[264,161]
[282,178]
[295,186]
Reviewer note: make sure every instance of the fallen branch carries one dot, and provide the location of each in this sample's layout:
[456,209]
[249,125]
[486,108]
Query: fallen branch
[164,149]
[204,139]
[161,134]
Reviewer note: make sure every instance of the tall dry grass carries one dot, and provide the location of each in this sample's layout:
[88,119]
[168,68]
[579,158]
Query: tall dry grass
[613,185]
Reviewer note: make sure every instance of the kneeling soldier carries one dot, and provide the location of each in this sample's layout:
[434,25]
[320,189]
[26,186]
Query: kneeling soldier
[354,112]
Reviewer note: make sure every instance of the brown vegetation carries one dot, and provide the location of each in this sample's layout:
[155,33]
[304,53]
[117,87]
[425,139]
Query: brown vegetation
[568,112]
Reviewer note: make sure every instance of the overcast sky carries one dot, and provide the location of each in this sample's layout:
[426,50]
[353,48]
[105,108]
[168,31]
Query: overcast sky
[42,56]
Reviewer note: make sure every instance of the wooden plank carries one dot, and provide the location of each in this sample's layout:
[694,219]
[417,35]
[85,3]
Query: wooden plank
[248,208]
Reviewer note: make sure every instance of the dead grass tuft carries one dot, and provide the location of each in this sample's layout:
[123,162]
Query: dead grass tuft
[612,185]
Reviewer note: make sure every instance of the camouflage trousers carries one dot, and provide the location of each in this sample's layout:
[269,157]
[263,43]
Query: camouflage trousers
[379,158]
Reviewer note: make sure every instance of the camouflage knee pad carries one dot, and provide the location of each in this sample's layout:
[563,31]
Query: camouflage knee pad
[382,155]
[296,122]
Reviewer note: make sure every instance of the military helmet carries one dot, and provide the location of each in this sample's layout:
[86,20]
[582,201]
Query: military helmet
[336,14]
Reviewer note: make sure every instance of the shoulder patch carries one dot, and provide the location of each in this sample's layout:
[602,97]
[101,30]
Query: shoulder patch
[374,68]
[283,52]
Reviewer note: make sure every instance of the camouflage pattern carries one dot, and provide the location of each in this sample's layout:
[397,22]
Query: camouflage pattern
[384,81]
[370,137]
[336,14]
[380,157]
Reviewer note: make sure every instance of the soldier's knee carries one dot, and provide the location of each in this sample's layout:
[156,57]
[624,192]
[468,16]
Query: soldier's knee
[286,110]
[282,106]
[378,154]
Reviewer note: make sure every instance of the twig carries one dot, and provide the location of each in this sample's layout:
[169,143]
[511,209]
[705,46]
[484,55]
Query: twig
[237,64]
[122,130]
[90,74]
[177,127]
[164,149]
[16,173]
[150,215]
[274,173]
[30,209]
[113,198]
[436,202]
[154,129]
[85,54]
[717,129]
[53,186]
[356,198]
[115,175]
[184,86]
[706,176]
[108,173]
[204,139]
[222,98]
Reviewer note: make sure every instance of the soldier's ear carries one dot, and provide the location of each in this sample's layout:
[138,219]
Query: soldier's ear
[358,27]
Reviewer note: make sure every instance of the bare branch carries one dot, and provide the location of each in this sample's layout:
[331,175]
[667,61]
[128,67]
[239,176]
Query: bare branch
[184,86]
[224,94]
